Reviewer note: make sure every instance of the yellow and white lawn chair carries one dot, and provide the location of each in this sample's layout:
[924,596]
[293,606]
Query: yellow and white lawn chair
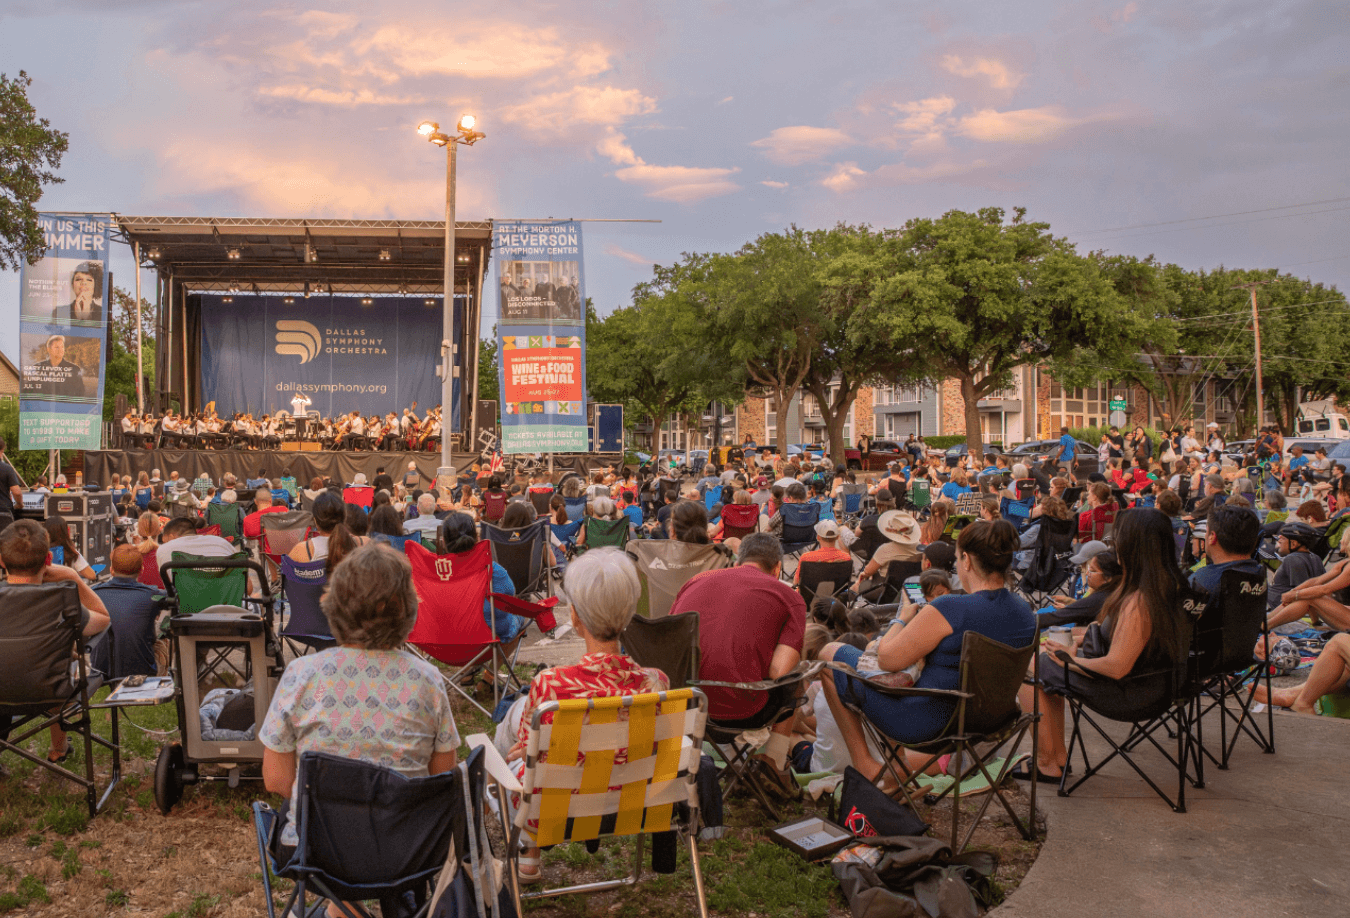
[655,791]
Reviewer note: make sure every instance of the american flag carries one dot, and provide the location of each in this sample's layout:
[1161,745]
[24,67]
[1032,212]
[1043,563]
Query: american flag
[495,464]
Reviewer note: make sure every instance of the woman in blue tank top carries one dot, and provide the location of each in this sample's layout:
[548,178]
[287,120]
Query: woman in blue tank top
[984,552]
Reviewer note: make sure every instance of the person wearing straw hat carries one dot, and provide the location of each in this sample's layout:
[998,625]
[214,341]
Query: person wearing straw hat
[901,530]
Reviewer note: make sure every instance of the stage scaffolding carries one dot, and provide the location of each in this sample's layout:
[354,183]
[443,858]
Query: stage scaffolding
[242,257]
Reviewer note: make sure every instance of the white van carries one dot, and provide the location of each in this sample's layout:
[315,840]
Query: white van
[1322,420]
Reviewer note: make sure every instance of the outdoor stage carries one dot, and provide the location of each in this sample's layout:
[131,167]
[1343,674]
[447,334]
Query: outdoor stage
[335,465]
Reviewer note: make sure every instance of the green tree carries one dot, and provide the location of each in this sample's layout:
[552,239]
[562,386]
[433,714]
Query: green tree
[120,375]
[985,296]
[30,152]
[656,356]
[487,368]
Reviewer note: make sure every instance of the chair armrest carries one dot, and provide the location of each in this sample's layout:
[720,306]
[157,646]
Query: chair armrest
[494,763]
[898,691]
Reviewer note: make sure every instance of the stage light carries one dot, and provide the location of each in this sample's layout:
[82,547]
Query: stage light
[384,254]
[154,254]
[429,302]
[228,299]
[402,289]
[366,301]
[428,127]
[466,123]
[288,300]
[234,288]
[439,139]
[232,254]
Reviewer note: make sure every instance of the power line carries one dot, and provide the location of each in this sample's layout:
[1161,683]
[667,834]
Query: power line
[1180,229]
[1239,213]
[1247,312]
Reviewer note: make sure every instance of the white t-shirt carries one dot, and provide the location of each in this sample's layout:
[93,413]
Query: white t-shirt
[830,753]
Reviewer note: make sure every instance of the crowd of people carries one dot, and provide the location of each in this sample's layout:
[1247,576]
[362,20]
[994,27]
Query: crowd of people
[351,431]
[1151,523]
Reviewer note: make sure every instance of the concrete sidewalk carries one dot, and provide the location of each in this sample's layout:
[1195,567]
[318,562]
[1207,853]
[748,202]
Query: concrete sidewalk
[1265,839]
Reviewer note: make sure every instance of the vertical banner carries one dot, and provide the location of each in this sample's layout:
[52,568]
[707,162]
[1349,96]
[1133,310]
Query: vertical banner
[63,326]
[541,336]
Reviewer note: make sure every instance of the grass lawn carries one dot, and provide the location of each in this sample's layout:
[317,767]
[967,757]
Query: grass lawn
[201,860]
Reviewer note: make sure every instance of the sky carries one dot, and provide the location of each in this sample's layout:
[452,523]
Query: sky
[1204,133]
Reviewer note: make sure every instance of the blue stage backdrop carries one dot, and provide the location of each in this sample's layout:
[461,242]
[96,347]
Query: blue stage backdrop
[257,351]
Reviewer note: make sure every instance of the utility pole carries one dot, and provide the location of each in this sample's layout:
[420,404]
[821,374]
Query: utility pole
[1256,331]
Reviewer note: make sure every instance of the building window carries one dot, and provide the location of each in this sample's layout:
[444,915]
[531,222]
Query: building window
[898,395]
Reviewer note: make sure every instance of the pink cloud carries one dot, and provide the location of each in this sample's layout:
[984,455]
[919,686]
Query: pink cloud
[1027,125]
[561,111]
[631,257]
[680,184]
[999,75]
[792,146]
[777,186]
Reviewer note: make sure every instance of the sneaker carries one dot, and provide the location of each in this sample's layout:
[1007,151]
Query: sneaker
[1285,657]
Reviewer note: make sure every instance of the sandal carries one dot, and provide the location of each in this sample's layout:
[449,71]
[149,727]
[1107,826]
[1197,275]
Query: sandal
[527,879]
[1023,772]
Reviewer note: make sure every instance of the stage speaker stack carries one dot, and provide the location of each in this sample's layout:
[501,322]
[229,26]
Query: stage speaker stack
[485,433]
[90,518]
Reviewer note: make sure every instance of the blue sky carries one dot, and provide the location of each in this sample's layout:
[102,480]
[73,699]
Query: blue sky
[722,120]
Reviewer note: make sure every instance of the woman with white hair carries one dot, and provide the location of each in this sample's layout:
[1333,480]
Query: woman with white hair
[604,589]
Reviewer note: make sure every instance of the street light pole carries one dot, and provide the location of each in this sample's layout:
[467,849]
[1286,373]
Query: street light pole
[445,475]
[465,134]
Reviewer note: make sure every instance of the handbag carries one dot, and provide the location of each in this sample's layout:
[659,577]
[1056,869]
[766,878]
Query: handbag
[1095,644]
[1169,454]
[868,812]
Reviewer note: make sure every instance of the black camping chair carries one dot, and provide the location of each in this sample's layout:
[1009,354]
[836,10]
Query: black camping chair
[1232,622]
[43,685]
[368,833]
[521,552]
[987,719]
[892,590]
[828,578]
[671,644]
[1156,699]
[1049,569]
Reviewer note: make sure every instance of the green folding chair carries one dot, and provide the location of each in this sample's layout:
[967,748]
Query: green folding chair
[230,520]
[606,533]
[195,583]
[920,493]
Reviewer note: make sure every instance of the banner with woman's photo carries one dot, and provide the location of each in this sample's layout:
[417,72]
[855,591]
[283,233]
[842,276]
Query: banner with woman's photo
[63,325]
[541,336]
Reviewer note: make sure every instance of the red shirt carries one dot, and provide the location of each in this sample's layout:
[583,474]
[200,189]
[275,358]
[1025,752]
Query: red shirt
[744,614]
[253,522]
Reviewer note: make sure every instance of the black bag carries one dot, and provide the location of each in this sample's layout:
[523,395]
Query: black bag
[916,878]
[867,812]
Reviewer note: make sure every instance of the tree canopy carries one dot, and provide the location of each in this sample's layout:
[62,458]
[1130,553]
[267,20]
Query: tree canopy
[30,154]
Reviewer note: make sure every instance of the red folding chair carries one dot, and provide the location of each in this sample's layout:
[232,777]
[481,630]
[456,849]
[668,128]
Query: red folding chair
[1100,522]
[739,520]
[363,497]
[283,531]
[450,627]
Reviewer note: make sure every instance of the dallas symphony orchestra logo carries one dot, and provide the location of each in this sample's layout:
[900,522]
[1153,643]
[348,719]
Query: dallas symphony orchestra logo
[302,339]
[298,338]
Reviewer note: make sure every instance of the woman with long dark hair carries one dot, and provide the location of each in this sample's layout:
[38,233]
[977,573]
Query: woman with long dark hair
[385,520]
[1140,629]
[458,534]
[335,541]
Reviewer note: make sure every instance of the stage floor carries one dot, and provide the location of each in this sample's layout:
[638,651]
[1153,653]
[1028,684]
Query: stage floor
[335,465]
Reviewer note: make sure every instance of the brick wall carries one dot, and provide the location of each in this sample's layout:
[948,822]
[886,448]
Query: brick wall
[750,420]
[1046,430]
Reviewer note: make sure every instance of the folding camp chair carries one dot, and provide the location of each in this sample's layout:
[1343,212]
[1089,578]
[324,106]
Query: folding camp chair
[367,832]
[1232,622]
[711,498]
[45,682]
[566,533]
[1017,512]
[664,566]
[669,643]
[576,508]
[397,542]
[450,625]
[606,533]
[1049,568]
[1159,699]
[230,519]
[283,531]
[570,766]
[851,502]
[540,499]
[824,578]
[920,493]
[194,583]
[1100,520]
[362,496]
[739,520]
[799,527]
[302,586]
[494,505]
[143,498]
[986,718]
[521,552]
[892,590]
[968,504]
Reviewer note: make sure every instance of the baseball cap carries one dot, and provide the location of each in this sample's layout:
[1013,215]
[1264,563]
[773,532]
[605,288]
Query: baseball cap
[827,529]
[1087,551]
[940,555]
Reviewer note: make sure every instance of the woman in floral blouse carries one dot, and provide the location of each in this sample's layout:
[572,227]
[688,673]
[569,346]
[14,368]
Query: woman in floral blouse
[604,589]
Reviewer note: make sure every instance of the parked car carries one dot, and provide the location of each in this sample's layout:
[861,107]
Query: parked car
[1340,453]
[1036,450]
[882,454]
[953,454]
[814,451]
[1310,445]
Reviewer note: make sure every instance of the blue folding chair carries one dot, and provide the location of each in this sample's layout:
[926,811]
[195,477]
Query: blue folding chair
[143,498]
[576,508]
[712,497]
[566,533]
[397,541]
[303,583]
[799,527]
[1017,512]
[281,496]
[634,514]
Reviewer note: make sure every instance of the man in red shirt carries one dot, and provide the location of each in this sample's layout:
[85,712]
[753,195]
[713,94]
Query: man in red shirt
[827,540]
[751,626]
[262,499]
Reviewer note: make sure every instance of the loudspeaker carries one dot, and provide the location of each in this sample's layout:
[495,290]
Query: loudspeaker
[485,433]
